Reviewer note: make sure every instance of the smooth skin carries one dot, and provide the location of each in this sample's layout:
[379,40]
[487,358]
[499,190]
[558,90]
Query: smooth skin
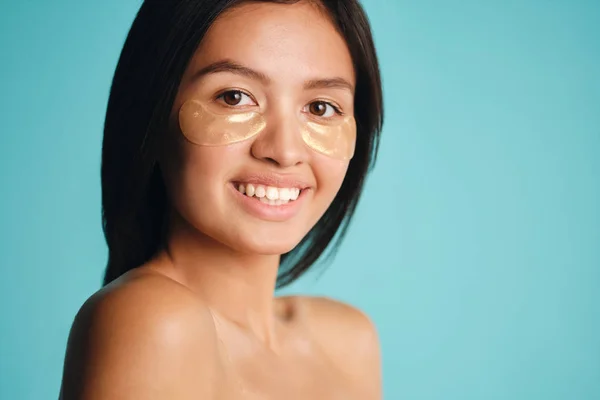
[200,320]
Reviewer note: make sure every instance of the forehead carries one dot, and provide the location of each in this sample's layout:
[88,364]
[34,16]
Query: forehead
[287,42]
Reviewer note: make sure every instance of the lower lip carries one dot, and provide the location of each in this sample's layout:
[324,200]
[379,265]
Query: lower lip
[268,212]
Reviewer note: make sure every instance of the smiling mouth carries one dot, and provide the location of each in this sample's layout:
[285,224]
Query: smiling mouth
[271,195]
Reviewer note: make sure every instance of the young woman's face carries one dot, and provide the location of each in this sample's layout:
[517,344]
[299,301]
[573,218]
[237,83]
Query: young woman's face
[264,126]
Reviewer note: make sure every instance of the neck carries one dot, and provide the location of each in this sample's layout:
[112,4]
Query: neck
[239,287]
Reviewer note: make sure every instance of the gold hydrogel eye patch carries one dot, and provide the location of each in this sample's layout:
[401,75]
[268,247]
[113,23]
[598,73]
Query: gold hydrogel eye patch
[206,128]
[336,140]
[202,126]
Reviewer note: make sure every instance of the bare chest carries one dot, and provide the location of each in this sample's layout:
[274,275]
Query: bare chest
[301,371]
[298,365]
[289,379]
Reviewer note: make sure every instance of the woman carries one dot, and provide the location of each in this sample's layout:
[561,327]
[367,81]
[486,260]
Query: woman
[237,139]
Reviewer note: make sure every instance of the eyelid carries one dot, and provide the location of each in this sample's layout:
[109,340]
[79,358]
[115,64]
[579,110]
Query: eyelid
[336,107]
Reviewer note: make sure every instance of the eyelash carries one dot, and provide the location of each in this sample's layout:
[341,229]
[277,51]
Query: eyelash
[223,93]
[335,107]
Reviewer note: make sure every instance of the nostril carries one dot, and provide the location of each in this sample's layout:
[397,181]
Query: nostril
[281,162]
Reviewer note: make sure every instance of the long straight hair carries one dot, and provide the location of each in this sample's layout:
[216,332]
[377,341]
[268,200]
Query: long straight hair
[162,40]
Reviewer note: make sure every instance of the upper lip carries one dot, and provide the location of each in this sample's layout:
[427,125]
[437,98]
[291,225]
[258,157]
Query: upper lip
[274,180]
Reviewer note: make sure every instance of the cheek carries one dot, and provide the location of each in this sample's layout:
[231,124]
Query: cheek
[211,164]
[195,184]
[330,175]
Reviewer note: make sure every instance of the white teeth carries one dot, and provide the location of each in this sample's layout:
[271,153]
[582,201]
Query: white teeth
[260,191]
[284,194]
[294,193]
[269,201]
[269,194]
[272,193]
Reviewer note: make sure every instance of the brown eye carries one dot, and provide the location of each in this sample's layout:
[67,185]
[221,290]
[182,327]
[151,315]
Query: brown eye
[232,97]
[235,98]
[318,108]
[323,109]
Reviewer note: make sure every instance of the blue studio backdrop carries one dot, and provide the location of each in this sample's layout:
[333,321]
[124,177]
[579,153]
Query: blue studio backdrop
[475,249]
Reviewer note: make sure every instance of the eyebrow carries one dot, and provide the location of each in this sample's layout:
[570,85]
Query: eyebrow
[239,69]
[334,83]
[233,68]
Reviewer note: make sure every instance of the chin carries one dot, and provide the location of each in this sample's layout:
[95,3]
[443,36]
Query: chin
[267,243]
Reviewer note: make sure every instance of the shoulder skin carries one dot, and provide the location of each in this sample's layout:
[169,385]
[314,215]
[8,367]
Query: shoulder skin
[350,339]
[145,337]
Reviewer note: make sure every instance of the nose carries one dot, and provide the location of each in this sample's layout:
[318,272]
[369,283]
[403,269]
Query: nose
[280,142]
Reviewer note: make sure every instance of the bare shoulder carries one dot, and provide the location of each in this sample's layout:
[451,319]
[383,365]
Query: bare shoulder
[349,337]
[144,336]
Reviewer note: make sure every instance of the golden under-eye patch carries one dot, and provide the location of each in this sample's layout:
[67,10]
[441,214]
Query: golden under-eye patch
[206,128]
[201,126]
[336,140]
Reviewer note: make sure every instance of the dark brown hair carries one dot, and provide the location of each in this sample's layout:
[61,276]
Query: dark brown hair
[161,42]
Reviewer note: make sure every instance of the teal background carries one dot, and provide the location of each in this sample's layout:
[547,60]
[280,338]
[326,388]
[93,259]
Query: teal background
[476,246]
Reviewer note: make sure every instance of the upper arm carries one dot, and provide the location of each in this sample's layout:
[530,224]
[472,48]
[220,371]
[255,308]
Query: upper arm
[145,340]
[350,339]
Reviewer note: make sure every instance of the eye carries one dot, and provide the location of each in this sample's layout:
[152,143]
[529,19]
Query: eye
[235,98]
[323,109]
